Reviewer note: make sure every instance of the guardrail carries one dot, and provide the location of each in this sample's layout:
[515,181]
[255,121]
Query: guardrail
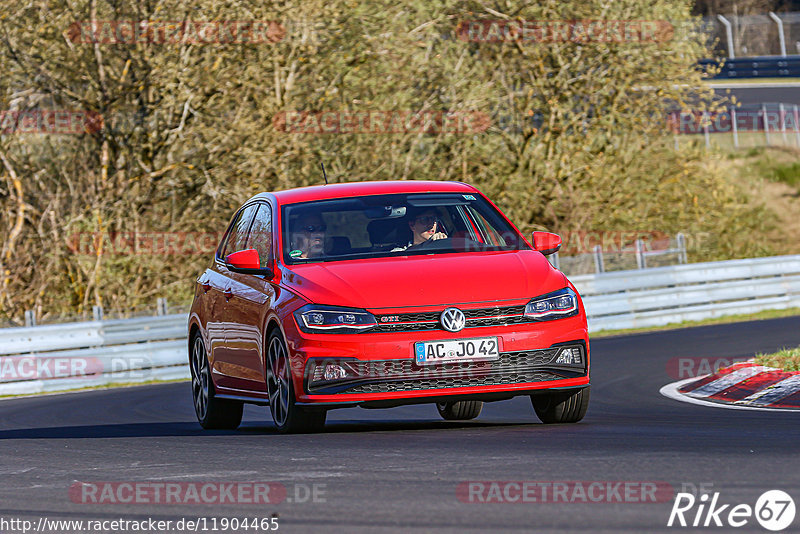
[73,355]
[65,356]
[755,67]
[664,295]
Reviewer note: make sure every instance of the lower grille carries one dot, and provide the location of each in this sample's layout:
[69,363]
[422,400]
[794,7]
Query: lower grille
[444,383]
[405,375]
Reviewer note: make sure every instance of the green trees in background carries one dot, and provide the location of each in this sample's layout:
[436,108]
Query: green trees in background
[576,138]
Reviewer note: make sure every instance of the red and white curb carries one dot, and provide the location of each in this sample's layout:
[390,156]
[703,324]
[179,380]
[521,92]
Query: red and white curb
[744,385]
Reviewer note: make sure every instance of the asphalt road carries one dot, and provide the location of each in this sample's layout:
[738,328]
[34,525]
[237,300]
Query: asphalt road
[755,93]
[399,469]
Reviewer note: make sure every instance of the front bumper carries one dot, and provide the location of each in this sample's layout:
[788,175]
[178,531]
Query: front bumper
[388,375]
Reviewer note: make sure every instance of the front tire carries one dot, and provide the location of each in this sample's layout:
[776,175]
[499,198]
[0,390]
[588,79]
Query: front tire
[459,410]
[288,416]
[212,413]
[560,407]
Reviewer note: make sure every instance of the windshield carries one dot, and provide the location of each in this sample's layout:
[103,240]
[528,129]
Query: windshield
[394,225]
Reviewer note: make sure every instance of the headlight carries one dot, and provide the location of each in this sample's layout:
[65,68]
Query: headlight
[555,305]
[315,318]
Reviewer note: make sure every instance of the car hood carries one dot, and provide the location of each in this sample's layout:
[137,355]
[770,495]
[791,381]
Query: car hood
[411,281]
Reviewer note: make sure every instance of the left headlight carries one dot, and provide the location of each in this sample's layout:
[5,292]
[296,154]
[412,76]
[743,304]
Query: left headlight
[315,318]
[555,305]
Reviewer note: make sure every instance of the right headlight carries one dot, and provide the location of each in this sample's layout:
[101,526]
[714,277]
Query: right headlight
[315,318]
[555,305]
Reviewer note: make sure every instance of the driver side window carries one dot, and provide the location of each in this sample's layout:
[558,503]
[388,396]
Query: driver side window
[237,238]
[260,237]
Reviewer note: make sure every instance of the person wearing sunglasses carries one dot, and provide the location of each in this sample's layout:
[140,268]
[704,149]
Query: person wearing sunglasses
[425,226]
[308,237]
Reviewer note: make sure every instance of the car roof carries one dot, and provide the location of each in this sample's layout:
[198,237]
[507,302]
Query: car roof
[344,190]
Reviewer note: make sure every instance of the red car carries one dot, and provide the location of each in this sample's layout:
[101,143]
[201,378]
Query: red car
[380,294]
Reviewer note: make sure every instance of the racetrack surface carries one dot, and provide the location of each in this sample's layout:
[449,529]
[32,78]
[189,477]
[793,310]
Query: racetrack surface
[398,469]
[755,94]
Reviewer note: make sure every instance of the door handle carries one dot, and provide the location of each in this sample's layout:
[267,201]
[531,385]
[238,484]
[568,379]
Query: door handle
[228,294]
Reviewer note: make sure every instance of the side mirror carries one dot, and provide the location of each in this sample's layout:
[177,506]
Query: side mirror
[546,243]
[247,262]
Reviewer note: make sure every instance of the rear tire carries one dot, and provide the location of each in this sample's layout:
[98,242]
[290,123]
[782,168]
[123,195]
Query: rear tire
[288,416]
[560,407]
[459,410]
[212,413]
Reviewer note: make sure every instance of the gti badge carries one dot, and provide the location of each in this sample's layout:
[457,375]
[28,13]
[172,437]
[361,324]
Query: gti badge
[453,320]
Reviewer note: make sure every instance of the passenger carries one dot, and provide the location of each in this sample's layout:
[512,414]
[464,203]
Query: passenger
[308,237]
[425,226]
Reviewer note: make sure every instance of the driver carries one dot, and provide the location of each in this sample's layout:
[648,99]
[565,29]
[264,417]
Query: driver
[308,237]
[425,226]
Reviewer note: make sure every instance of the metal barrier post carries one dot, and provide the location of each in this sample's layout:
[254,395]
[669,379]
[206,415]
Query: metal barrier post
[161,306]
[766,123]
[796,125]
[30,318]
[781,36]
[97,313]
[682,257]
[729,33]
[598,259]
[640,260]
[783,123]
[734,129]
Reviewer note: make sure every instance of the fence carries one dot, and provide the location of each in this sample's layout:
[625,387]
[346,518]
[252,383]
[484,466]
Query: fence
[72,355]
[741,126]
[769,34]
[658,252]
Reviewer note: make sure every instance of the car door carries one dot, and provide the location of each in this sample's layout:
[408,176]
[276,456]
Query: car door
[221,293]
[251,298]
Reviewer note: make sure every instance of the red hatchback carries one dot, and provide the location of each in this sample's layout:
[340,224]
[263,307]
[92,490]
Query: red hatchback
[382,294]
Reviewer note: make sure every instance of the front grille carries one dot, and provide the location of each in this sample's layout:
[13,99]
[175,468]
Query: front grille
[405,375]
[415,322]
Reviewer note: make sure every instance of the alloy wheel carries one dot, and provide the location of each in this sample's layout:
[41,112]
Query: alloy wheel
[200,379]
[278,381]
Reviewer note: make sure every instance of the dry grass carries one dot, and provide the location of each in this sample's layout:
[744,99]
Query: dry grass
[786,359]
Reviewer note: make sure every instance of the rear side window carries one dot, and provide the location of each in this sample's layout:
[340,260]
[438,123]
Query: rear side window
[237,237]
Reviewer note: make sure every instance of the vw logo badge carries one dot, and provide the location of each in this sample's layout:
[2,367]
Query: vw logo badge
[453,320]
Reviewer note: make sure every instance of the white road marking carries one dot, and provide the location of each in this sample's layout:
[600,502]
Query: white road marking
[728,380]
[671,392]
[745,85]
[775,392]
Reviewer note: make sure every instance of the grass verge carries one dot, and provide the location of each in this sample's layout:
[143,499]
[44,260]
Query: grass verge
[786,359]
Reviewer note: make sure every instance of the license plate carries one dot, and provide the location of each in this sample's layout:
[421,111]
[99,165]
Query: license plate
[456,350]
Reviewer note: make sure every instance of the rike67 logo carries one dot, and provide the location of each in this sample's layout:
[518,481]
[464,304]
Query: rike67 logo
[774,510]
